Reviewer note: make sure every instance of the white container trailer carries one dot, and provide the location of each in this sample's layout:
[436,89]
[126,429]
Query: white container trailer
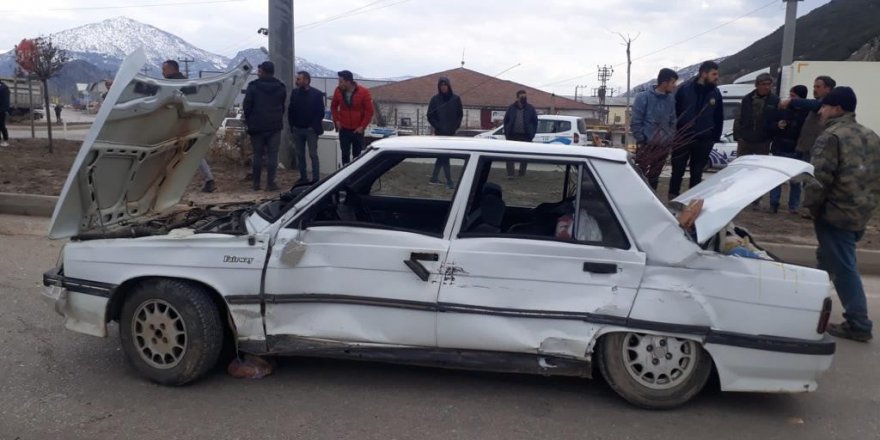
[862,76]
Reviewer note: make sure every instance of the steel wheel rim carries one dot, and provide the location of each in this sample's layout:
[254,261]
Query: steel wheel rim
[658,362]
[159,334]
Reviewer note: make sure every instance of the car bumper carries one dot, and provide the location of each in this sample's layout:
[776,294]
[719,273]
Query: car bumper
[755,370]
[83,312]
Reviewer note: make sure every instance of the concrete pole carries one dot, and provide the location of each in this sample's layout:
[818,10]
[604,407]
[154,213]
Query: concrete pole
[281,53]
[789,32]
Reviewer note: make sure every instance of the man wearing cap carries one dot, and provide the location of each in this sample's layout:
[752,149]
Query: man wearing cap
[352,111]
[847,165]
[752,128]
[786,132]
[263,110]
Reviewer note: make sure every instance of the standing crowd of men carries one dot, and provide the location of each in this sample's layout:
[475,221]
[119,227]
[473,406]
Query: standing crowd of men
[686,121]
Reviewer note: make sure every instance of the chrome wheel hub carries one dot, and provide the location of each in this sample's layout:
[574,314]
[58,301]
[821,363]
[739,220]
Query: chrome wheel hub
[659,362]
[159,334]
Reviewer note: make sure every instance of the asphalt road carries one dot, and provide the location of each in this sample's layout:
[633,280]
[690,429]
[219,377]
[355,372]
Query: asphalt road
[56,384]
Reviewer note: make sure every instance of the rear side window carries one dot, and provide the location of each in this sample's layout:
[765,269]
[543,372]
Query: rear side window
[582,126]
[558,201]
[562,126]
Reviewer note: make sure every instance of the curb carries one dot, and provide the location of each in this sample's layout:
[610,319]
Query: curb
[27,204]
[35,205]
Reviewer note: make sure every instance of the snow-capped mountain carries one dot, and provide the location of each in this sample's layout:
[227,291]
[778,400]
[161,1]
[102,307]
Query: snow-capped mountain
[257,56]
[105,44]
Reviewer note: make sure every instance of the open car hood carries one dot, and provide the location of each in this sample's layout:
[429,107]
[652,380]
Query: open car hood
[730,190]
[143,148]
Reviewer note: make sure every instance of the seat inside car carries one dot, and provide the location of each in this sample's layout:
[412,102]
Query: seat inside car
[488,215]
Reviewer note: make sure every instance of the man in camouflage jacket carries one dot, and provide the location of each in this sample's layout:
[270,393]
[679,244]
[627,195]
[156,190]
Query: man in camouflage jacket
[846,157]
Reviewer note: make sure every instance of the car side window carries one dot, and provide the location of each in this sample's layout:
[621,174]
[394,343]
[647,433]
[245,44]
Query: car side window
[392,191]
[546,126]
[554,200]
[562,126]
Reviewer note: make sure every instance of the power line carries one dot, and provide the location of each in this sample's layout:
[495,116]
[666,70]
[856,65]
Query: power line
[149,5]
[352,12]
[772,2]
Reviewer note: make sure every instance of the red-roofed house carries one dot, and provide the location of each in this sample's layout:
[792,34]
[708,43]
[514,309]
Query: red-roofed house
[485,99]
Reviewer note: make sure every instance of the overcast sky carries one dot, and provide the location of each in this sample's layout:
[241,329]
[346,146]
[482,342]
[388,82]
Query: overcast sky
[554,44]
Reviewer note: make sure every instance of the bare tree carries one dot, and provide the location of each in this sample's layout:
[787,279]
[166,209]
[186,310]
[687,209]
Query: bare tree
[44,62]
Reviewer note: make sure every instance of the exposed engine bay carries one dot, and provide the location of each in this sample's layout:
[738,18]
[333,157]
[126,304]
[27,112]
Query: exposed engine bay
[227,218]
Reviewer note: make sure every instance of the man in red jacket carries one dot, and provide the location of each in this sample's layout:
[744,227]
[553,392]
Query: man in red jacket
[352,111]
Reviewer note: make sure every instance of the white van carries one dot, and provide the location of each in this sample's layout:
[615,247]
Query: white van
[553,129]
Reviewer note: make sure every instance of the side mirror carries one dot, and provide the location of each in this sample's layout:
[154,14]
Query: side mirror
[294,250]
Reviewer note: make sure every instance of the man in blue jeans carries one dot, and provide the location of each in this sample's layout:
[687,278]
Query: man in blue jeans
[263,108]
[304,115]
[786,131]
[847,165]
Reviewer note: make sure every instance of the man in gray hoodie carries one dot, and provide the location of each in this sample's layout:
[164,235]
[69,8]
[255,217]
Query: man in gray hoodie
[653,125]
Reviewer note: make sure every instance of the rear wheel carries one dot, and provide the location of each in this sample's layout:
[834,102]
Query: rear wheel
[655,372]
[171,331]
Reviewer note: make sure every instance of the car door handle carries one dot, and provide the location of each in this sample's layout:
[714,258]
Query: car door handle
[418,268]
[600,267]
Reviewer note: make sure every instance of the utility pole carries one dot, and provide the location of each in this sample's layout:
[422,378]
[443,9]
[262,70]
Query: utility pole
[788,34]
[627,41]
[576,91]
[605,73]
[186,62]
[281,53]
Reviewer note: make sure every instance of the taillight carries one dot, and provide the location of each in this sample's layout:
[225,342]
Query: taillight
[576,138]
[824,317]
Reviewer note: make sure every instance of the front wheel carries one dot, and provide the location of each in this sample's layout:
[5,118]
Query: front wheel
[654,372]
[171,331]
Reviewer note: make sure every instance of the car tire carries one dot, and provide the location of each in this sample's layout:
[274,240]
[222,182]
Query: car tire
[654,372]
[171,331]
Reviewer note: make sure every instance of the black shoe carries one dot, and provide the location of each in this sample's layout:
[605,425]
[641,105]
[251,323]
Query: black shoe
[249,177]
[272,187]
[255,187]
[209,187]
[844,330]
[300,181]
[773,209]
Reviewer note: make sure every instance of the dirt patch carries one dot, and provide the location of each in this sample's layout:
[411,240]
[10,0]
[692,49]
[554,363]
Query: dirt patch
[26,166]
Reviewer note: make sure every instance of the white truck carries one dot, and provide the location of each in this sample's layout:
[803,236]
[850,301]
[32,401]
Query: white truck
[860,75]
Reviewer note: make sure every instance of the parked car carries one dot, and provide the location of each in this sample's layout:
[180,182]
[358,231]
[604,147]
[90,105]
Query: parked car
[723,152]
[236,125]
[580,265]
[553,129]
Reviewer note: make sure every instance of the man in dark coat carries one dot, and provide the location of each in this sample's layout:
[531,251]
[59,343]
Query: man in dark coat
[520,124]
[304,115]
[263,110]
[700,114]
[171,70]
[786,131]
[444,114]
[4,108]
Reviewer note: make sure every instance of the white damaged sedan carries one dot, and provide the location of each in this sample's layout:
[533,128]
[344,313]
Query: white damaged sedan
[576,268]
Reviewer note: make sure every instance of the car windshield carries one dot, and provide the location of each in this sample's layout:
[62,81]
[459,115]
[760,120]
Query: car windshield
[271,210]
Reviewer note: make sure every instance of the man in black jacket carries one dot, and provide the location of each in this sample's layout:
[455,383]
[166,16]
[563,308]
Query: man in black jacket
[786,132]
[304,115]
[171,70]
[444,114]
[520,124]
[4,108]
[752,129]
[263,109]
[700,115]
